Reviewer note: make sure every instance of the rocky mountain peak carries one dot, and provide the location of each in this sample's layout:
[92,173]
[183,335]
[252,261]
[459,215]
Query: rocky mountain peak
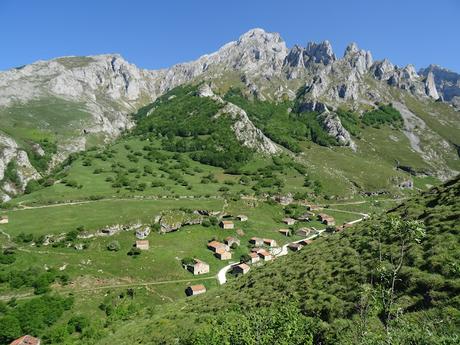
[430,86]
[446,81]
[358,59]
[320,52]
[351,49]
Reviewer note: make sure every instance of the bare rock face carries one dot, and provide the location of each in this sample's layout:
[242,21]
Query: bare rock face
[358,59]
[11,152]
[430,86]
[447,83]
[320,52]
[383,70]
[333,126]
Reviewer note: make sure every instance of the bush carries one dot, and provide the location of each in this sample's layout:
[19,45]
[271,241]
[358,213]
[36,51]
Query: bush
[187,261]
[32,186]
[385,114]
[114,246]
[134,252]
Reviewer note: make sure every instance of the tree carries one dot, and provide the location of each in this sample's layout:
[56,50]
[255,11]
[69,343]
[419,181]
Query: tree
[10,329]
[78,323]
[41,285]
[134,252]
[245,258]
[394,239]
[188,261]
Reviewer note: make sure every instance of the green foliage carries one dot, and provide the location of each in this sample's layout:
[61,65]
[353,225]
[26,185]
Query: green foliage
[187,261]
[41,160]
[280,325]
[186,122]
[385,114]
[32,316]
[10,329]
[11,173]
[272,118]
[32,186]
[134,252]
[317,133]
[350,121]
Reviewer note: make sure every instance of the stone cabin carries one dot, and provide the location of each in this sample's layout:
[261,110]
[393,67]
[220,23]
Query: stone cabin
[242,218]
[199,267]
[254,257]
[142,244]
[227,224]
[194,290]
[326,219]
[142,233]
[289,221]
[284,232]
[304,217]
[295,247]
[264,255]
[256,241]
[215,246]
[304,232]
[223,254]
[329,221]
[270,242]
[311,207]
[241,269]
[26,340]
[306,242]
[230,240]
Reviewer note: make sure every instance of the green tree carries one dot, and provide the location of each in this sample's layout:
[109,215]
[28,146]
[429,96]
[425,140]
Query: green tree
[394,238]
[10,329]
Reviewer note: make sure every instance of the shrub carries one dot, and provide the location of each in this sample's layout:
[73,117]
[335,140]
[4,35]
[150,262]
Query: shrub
[134,252]
[114,246]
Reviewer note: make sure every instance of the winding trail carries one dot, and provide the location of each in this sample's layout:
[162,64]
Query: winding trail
[134,198]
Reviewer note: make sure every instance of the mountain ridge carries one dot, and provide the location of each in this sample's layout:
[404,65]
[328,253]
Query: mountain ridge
[104,89]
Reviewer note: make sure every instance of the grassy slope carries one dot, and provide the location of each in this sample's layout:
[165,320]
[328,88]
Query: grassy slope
[325,281]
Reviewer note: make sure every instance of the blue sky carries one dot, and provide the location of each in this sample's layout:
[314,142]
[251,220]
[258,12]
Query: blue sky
[155,34]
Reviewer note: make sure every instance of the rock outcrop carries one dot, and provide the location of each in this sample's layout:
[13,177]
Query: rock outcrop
[333,126]
[10,152]
[245,131]
[447,83]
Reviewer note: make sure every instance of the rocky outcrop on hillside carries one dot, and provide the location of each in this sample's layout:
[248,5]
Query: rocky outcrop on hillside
[246,132]
[23,171]
[333,126]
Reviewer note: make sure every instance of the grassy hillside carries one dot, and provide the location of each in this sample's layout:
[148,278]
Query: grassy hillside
[179,159]
[336,290]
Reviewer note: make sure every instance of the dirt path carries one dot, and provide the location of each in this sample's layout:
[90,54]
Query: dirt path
[134,198]
[7,235]
[104,287]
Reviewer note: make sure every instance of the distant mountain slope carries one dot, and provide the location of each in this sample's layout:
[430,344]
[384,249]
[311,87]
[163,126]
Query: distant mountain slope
[334,291]
[51,108]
